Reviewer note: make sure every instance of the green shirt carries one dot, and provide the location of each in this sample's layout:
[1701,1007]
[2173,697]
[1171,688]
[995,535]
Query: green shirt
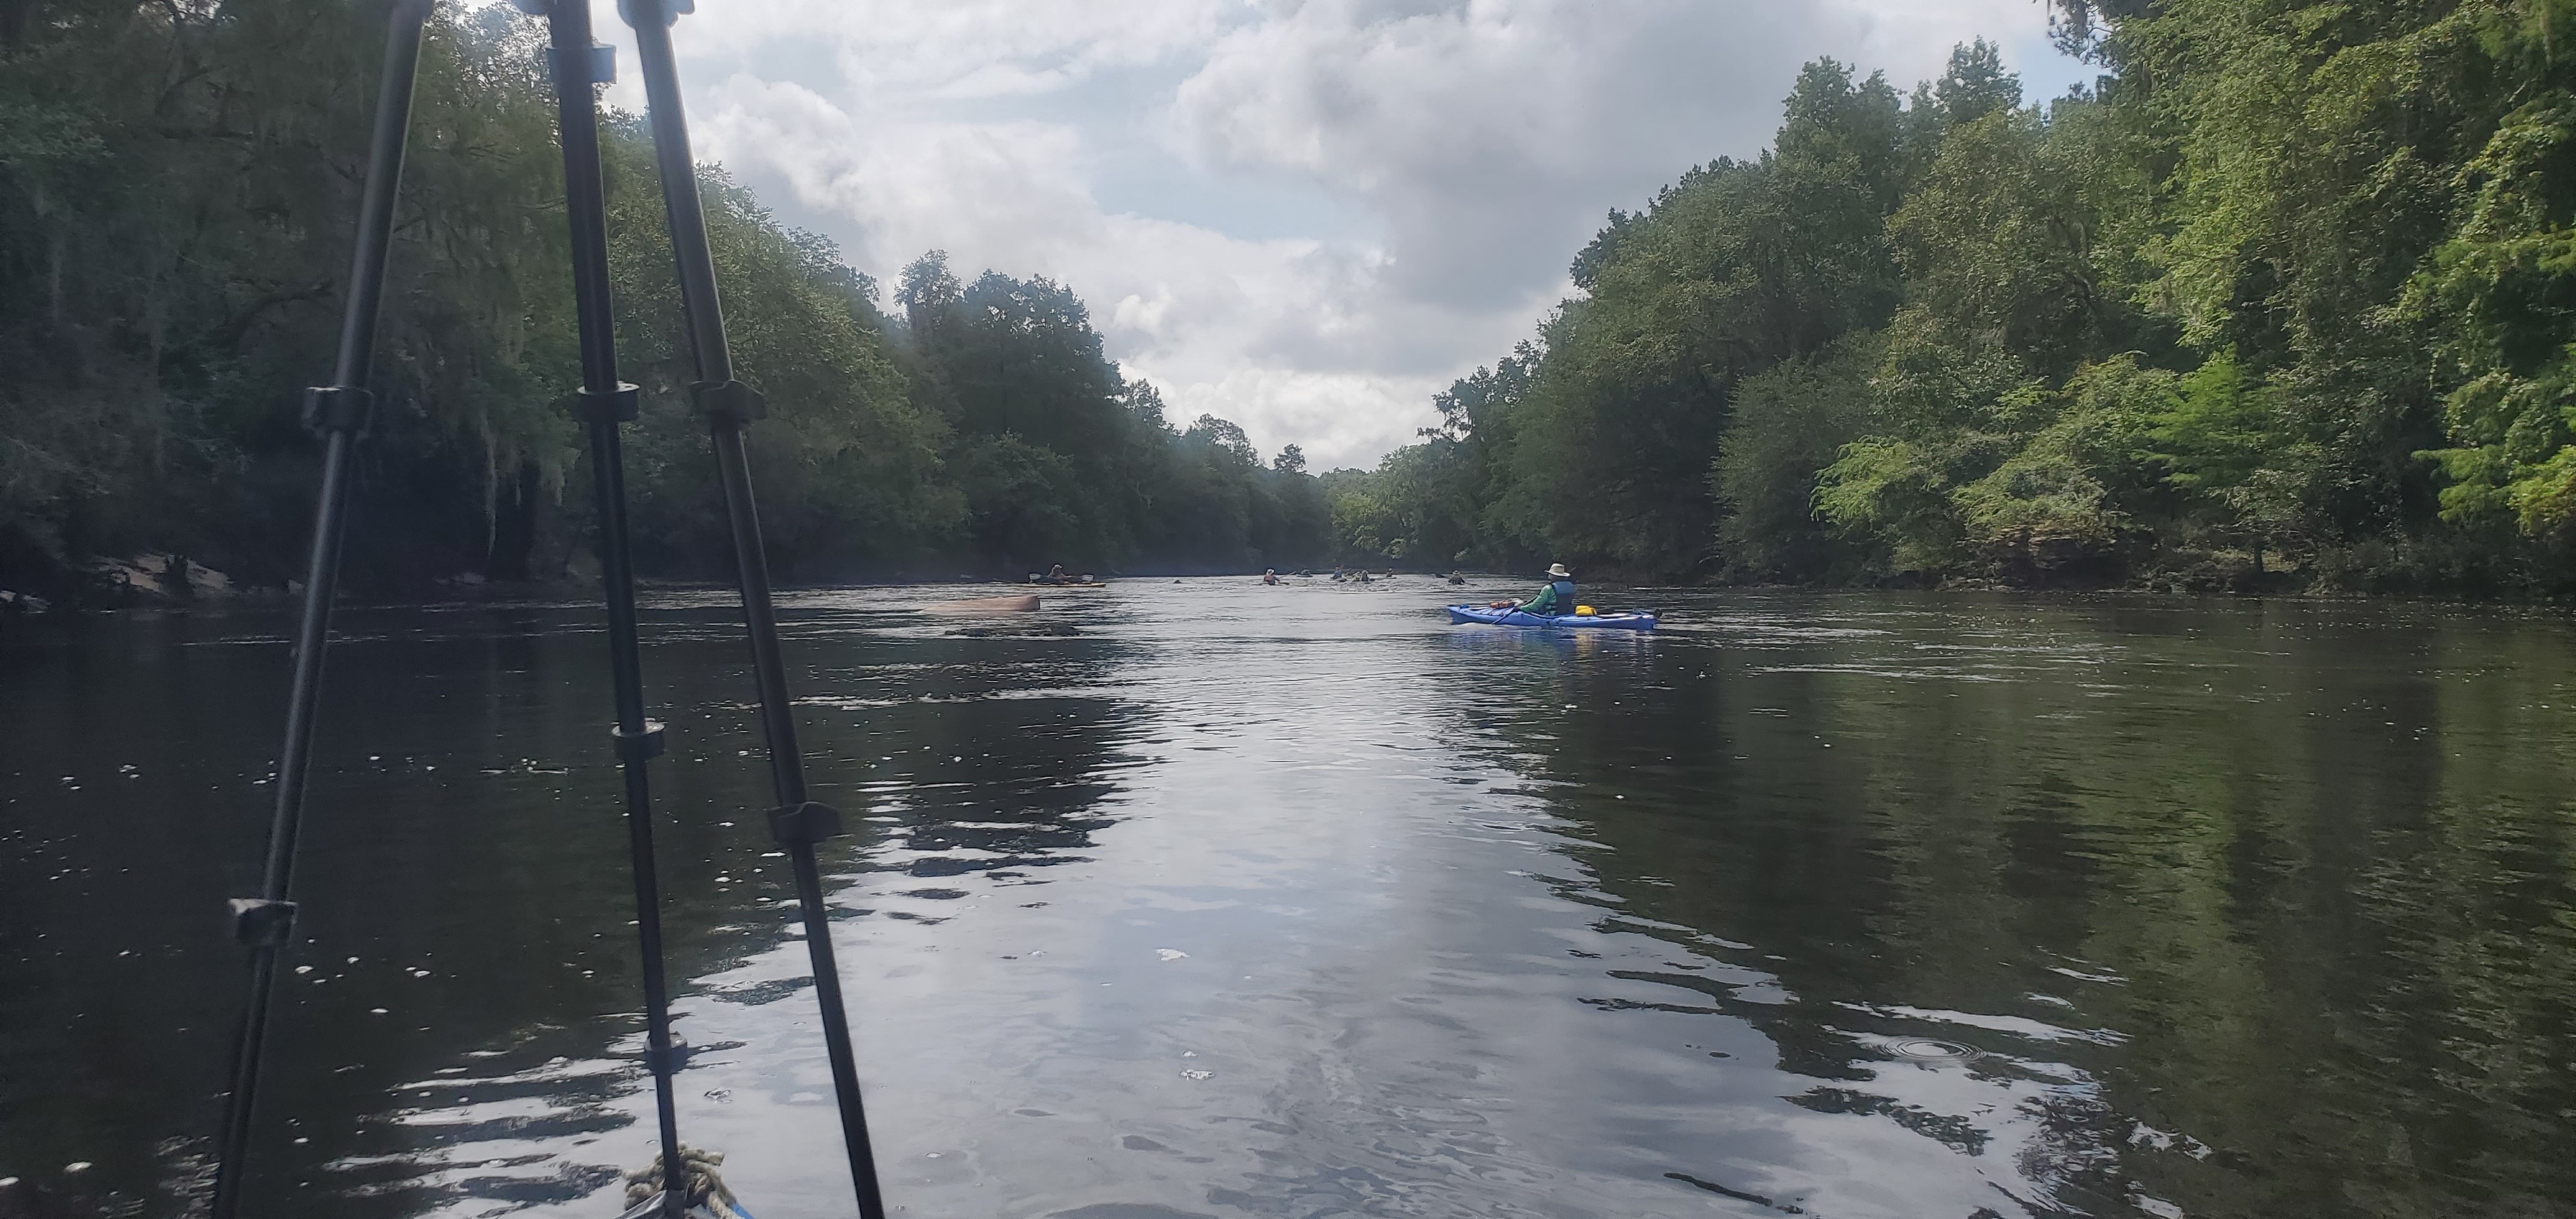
[1550,601]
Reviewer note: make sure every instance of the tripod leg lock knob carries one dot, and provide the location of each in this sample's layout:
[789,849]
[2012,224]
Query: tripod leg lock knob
[616,405]
[728,401]
[641,745]
[338,408]
[804,824]
[583,67]
[261,923]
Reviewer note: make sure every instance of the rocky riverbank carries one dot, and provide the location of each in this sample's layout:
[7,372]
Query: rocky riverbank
[144,579]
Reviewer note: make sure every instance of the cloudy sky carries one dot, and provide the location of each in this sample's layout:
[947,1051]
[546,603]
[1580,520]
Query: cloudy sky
[1303,215]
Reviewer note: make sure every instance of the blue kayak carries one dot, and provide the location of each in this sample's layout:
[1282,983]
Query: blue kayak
[1512,617]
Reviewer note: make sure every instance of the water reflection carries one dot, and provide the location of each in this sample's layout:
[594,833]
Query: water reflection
[2126,861]
[1298,901]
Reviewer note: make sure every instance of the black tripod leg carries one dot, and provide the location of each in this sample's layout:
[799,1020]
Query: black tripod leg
[606,402]
[730,406]
[339,411]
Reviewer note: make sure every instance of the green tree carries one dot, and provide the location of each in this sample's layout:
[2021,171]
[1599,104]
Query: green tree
[1789,423]
[177,183]
[1738,266]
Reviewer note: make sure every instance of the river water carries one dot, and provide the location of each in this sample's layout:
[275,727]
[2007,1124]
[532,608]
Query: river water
[1301,902]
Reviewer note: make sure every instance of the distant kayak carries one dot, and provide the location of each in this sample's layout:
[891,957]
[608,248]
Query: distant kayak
[1512,617]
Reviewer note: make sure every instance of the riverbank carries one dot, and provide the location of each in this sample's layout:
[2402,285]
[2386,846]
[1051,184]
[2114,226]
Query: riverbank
[164,583]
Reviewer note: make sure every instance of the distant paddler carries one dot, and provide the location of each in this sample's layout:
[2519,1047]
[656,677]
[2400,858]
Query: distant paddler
[1270,575]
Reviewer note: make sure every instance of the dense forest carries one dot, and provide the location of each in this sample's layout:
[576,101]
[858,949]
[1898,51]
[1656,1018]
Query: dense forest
[2284,299]
[177,187]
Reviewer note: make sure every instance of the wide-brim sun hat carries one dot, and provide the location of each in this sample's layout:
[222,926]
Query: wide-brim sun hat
[1558,569]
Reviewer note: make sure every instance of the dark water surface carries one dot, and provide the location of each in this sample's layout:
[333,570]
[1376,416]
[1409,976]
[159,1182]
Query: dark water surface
[1301,902]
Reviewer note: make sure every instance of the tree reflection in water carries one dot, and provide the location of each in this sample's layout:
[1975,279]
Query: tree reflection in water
[1298,901]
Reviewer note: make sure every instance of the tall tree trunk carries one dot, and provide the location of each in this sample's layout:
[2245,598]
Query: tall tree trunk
[513,532]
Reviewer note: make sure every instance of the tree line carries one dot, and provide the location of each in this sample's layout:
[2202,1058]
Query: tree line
[177,186]
[2283,299]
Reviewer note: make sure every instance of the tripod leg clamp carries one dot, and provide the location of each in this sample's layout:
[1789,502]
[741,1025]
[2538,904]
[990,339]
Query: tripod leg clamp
[616,405]
[668,10]
[669,1060]
[804,824]
[641,745]
[338,408]
[728,401]
[261,923]
[582,68]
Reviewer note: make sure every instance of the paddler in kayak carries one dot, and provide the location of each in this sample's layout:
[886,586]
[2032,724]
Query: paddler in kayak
[1270,575]
[1554,599]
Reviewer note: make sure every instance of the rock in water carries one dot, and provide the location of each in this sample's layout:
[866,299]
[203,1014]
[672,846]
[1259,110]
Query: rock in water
[1023,604]
[1018,630]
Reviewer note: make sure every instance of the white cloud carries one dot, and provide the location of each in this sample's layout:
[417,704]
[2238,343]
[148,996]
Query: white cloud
[903,51]
[1338,418]
[1325,209]
[1012,191]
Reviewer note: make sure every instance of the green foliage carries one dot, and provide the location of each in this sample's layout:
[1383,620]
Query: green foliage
[2500,294]
[177,184]
[1735,268]
[1790,422]
[1897,494]
[2290,294]
[1060,459]
[851,473]
[173,222]
[1410,510]
[2068,500]
[2225,445]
